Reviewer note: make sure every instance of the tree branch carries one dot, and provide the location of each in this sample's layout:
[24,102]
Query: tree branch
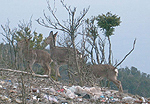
[18,71]
[127,54]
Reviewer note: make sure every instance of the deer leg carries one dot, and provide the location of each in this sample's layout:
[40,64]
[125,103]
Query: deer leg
[57,70]
[118,84]
[47,69]
[101,82]
[30,65]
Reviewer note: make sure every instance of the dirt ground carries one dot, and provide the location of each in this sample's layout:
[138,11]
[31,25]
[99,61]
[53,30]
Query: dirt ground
[26,89]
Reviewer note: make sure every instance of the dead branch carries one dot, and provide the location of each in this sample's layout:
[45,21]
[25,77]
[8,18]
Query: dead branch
[23,72]
[127,54]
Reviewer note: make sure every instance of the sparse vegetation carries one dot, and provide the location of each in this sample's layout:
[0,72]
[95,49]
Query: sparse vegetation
[81,36]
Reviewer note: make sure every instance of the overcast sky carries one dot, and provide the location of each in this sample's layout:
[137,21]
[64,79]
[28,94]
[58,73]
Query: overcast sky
[135,17]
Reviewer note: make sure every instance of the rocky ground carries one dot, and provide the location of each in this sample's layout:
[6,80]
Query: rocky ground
[18,88]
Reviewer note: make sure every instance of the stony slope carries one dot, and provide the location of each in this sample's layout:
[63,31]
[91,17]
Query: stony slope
[18,88]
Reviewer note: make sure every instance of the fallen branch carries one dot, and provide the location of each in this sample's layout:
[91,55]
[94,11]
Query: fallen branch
[23,72]
[127,54]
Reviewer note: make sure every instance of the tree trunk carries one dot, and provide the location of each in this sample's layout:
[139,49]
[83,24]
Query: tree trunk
[76,63]
[110,51]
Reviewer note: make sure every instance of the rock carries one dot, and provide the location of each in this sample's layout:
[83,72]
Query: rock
[12,91]
[35,90]
[128,99]
[4,98]
[18,101]
[86,96]
[79,99]
[14,87]
[1,86]
[42,91]
[51,98]
[52,90]
[64,102]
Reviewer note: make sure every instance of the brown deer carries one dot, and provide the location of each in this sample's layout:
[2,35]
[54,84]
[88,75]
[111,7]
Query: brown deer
[106,71]
[60,55]
[35,56]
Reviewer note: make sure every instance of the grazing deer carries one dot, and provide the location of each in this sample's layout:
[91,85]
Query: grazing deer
[60,55]
[35,56]
[106,71]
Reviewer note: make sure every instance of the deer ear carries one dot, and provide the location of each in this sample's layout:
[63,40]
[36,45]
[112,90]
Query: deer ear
[26,40]
[29,38]
[55,34]
[51,33]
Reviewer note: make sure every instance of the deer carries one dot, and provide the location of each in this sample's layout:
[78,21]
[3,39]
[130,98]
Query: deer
[109,71]
[60,55]
[106,71]
[35,56]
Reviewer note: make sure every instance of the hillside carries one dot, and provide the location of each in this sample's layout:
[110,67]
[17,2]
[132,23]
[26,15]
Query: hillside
[135,81]
[21,88]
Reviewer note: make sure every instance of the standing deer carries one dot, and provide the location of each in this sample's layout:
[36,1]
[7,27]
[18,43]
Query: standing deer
[106,71]
[60,55]
[35,56]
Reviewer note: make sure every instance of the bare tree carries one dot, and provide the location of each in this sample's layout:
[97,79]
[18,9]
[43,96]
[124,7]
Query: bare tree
[9,51]
[107,23]
[70,26]
[127,53]
[96,45]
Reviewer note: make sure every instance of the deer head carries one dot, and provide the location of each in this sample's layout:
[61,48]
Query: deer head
[51,39]
[23,44]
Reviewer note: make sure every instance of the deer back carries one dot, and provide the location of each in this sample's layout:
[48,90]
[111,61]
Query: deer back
[62,54]
[59,54]
[104,70]
[38,56]
[42,56]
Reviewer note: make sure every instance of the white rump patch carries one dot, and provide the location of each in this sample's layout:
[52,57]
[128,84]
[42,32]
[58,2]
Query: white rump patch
[80,56]
[116,70]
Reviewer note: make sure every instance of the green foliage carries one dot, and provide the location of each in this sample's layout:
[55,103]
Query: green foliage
[108,22]
[134,81]
[92,29]
[25,32]
[5,56]
[9,55]
[38,41]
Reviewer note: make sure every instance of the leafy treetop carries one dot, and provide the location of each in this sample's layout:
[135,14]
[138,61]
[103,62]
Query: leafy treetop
[108,22]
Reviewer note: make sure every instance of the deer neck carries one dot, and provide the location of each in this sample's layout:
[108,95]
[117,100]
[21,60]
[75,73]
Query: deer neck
[52,46]
[26,50]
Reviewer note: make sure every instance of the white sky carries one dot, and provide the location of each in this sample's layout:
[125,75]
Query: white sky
[135,17]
